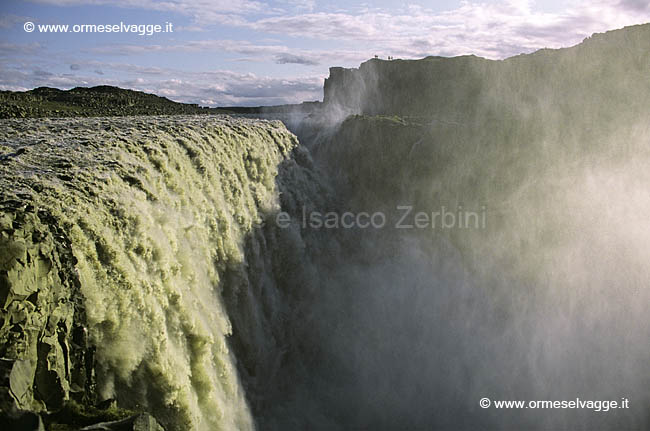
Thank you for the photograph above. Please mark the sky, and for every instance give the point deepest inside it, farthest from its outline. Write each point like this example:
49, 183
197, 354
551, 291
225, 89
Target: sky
252, 53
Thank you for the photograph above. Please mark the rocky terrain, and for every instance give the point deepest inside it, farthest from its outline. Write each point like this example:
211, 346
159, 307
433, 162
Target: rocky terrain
90, 102
105, 101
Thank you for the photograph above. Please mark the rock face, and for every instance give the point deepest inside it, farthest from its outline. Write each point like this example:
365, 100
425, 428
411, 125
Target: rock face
448, 87
44, 341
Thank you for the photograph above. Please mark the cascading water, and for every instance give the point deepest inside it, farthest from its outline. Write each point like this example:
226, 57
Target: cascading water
126, 228
183, 247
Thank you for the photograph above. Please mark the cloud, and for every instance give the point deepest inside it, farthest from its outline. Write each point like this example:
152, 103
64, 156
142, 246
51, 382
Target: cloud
279, 54
308, 5
190, 28
322, 25
234, 46
129, 68
194, 8
286, 58
14, 49
220, 87
636, 5
42, 73
8, 21
493, 30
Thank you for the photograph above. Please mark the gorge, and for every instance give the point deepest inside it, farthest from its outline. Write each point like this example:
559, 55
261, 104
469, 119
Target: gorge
143, 262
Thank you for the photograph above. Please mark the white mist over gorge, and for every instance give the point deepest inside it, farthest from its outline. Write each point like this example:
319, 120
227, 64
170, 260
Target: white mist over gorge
443, 243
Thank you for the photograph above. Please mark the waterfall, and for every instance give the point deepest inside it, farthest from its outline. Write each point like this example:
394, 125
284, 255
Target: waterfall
476, 230
125, 229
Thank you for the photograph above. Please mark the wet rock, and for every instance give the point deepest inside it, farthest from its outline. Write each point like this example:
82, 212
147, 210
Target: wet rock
20, 420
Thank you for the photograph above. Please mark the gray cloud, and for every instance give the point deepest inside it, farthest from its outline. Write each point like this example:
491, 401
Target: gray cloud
235, 46
286, 58
637, 5
42, 73
280, 54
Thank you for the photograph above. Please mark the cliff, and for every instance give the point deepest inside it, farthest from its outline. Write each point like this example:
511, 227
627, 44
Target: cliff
545, 298
462, 87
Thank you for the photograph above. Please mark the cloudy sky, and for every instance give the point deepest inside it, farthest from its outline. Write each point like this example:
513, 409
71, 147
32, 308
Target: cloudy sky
249, 52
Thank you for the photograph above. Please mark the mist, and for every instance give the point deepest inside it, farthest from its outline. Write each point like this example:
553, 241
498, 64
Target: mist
411, 328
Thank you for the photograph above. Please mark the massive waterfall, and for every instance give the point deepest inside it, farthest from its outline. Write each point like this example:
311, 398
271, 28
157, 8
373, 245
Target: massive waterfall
199, 267
132, 231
